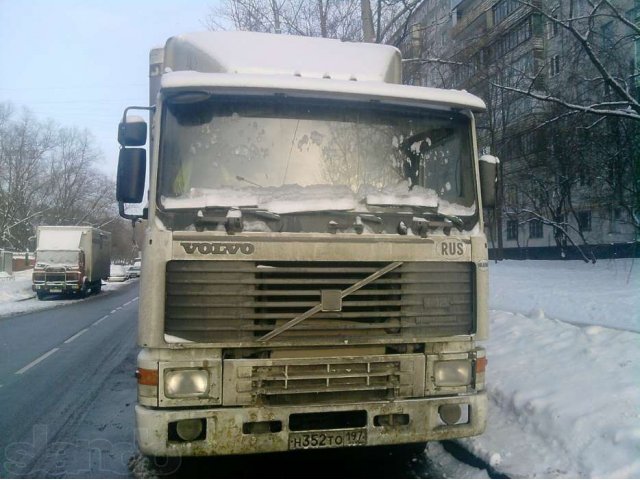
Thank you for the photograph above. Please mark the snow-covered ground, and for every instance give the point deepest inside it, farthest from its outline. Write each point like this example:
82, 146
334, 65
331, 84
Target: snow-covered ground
563, 375
17, 297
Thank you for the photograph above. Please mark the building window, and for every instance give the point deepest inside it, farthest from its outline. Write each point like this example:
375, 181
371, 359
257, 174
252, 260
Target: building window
512, 229
584, 221
617, 214
552, 27
511, 195
510, 40
503, 9
607, 33
535, 228
555, 65
528, 143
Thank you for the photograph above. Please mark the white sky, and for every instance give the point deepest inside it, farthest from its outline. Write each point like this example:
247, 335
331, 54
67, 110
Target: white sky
81, 62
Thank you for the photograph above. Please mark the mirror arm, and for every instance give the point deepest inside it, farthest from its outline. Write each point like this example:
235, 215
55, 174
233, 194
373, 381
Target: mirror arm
127, 216
152, 108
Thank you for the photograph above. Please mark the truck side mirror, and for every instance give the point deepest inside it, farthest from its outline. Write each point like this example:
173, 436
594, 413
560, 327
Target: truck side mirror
132, 132
488, 180
132, 168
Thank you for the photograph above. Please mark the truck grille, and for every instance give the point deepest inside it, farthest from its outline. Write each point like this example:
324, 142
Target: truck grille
58, 275
323, 380
226, 301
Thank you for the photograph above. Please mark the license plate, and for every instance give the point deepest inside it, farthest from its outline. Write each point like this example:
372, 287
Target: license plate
55, 290
341, 438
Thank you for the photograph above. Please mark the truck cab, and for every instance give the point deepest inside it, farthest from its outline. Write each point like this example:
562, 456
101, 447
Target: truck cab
315, 270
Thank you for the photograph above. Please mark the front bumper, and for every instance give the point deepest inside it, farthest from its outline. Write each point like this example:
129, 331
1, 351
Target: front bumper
57, 287
224, 426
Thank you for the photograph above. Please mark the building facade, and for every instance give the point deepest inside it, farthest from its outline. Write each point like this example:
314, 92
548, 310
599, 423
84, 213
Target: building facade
569, 178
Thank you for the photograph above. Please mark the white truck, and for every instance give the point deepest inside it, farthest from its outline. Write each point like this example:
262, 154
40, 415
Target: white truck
70, 259
315, 268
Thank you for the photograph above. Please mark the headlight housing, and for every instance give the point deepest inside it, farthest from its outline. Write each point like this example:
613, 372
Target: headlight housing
192, 382
453, 373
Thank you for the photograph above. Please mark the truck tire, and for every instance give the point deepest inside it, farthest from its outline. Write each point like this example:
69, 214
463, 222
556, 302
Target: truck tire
84, 290
97, 288
40, 294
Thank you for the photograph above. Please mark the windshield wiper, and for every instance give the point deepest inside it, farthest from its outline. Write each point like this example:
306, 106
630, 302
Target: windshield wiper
455, 220
431, 217
232, 219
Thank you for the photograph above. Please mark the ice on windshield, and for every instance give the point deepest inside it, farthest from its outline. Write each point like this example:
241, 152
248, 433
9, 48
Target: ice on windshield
284, 199
57, 257
296, 157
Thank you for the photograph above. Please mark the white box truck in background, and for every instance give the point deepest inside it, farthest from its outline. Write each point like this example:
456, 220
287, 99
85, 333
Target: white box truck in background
315, 267
71, 259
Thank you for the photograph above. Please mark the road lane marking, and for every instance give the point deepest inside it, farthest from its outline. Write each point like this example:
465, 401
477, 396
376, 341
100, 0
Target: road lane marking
37, 361
99, 320
71, 339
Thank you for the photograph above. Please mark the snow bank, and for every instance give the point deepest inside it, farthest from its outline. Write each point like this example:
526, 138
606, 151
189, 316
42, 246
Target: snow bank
16, 288
17, 297
607, 293
564, 398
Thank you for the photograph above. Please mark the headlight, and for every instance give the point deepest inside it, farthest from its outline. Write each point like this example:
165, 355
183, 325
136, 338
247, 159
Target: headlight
187, 382
452, 373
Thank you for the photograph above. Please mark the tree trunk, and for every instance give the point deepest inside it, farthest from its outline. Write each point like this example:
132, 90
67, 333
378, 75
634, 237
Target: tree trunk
276, 16
322, 10
368, 34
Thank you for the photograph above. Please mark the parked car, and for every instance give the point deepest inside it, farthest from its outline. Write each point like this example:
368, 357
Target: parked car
134, 270
118, 273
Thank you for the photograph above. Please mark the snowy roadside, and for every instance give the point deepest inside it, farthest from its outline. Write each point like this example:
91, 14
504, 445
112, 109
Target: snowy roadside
17, 297
564, 397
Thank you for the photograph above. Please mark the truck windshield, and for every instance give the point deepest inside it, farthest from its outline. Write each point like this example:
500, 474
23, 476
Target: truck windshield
57, 257
287, 155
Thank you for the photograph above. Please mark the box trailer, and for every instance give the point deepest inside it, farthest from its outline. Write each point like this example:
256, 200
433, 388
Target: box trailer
71, 259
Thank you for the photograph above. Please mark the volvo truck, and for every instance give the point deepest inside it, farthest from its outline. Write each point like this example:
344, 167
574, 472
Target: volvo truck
70, 260
314, 266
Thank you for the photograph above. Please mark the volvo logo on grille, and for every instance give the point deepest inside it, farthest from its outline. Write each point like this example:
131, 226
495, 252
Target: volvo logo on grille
206, 248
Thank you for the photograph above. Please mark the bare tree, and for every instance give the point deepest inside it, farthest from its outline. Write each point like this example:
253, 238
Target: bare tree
24, 144
48, 175
341, 19
593, 32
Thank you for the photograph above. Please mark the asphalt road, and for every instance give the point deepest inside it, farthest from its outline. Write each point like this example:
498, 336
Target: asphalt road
67, 388
67, 391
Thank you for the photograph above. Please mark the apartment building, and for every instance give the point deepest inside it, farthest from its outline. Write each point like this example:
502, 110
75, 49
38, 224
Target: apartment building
568, 178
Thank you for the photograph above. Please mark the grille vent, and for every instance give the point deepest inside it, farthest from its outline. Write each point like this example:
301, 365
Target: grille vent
329, 380
227, 301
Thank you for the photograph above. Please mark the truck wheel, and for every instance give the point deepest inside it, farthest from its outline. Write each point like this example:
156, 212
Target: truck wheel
97, 288
84, 290
40, 295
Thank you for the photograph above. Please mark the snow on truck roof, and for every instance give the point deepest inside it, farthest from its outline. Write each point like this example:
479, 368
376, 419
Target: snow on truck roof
337, 88
297, 65
271, 54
